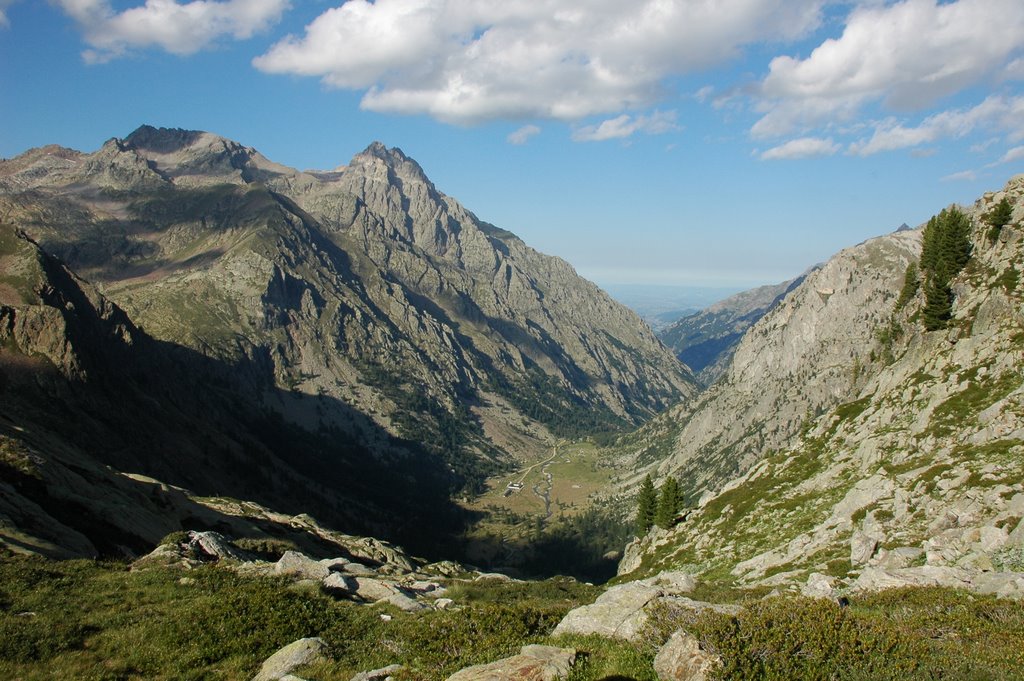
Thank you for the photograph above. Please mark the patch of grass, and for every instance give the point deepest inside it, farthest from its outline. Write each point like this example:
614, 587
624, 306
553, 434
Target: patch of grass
958, 409
1009, 279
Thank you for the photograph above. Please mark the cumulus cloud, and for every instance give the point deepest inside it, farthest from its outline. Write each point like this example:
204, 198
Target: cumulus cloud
804, 147
1013, 155
906, 56
1005, 114
625, 125
4, 4
523, 134
466, 61
179, 28
962, 176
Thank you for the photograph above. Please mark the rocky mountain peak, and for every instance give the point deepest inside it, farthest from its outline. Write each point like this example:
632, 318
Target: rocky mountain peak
378, 161
194, 157
163, 140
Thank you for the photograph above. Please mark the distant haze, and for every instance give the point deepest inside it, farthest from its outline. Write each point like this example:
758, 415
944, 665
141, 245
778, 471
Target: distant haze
660, 305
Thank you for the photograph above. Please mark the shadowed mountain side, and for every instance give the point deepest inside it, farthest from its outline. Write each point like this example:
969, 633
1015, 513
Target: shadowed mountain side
365, 285
84, 387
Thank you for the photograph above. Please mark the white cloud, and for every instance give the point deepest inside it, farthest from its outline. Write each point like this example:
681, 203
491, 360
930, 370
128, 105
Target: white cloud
995, 113
523, 134
805, 147
4, 4
179, 28
962, 176
625, 125
906, 55
466, 61
1013, 155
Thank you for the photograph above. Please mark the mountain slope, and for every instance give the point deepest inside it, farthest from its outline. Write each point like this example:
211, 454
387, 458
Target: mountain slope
705, 340
803, 357
917, 478
91, 400
364, 285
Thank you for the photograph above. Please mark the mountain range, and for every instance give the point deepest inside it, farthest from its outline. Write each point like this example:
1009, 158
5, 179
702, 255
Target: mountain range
239, 363
328, 324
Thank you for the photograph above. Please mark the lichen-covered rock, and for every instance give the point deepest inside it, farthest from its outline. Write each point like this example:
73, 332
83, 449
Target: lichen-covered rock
819, 586
623, 610
682, 659
533, 663
297, 654
382, 674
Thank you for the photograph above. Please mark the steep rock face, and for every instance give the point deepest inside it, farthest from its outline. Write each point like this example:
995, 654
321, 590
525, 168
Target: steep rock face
90, 400
803, 357
364, 285
918, 478
705, 341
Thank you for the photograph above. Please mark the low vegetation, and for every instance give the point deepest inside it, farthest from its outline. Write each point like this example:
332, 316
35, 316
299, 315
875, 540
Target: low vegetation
90, 620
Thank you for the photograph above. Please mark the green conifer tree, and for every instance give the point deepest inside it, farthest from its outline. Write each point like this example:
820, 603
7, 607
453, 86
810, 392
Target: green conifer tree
668, 504
1001, 214
647, 504
945, 250
911, 282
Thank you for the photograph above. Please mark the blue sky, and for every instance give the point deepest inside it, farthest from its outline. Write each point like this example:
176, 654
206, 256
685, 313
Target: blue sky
728, 143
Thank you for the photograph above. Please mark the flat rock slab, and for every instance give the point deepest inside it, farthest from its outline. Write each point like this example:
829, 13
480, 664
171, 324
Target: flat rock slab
1002, 584
533, 663
295, 564
291, 657
382, 674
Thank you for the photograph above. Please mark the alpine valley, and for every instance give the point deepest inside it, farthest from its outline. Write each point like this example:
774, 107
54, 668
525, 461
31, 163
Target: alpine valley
249, 409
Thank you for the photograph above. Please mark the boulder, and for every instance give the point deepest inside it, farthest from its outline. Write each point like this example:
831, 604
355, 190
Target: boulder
358, 569
621, 611
819, 586
340, 584
899, 557
876, 579
445, 568
300, 566
533, 663
405, 603
1002, 584
294, 655
862, 548
373, 590
382, 674
682, 659
195, 549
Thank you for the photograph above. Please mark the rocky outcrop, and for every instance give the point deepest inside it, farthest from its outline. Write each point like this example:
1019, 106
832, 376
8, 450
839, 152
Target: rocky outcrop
916, 477
803, 357
706, 340
305, 651
533, 663
623, 610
